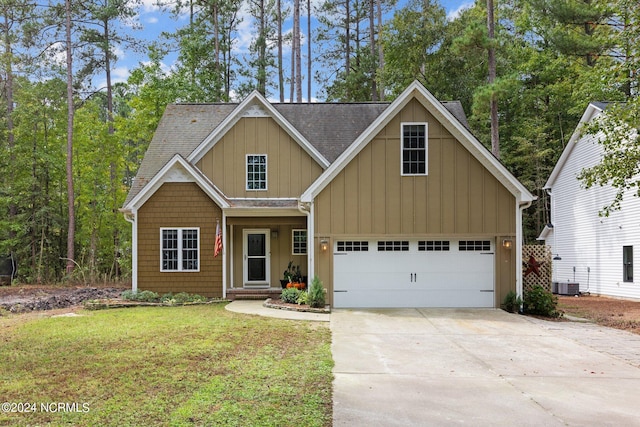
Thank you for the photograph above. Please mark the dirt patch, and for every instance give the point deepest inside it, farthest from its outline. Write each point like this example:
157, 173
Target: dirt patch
26, 298
611, 312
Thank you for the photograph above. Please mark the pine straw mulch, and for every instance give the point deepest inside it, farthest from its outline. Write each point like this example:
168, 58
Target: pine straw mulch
612, 312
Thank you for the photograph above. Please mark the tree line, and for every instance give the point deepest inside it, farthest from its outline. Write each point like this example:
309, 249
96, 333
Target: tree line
524, 71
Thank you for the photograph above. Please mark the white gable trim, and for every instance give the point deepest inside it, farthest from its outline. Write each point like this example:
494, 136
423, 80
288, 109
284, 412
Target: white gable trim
176, 170
470, 142
255, 105
590, 113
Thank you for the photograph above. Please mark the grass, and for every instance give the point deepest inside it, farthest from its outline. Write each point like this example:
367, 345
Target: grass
169, 366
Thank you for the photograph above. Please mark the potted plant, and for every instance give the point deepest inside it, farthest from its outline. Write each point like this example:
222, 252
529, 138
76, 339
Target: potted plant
288, 275
292, 277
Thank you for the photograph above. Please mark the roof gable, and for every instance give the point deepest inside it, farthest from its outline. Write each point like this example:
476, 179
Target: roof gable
593, 110
255, 105
176, 170
449, 122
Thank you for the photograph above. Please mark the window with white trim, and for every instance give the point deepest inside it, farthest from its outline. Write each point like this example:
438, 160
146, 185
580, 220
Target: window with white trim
352, 246
627, 263
474, 245
433, 245
179, 249
414, 149
393, 246
299, 242
256, 171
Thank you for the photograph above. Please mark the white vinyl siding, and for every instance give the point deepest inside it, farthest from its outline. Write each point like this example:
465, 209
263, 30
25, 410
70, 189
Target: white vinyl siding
591, 246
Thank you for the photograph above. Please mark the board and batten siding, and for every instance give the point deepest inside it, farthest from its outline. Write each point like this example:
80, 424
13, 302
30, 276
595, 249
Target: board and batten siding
587, 242
290, 169
459, 198
178, 205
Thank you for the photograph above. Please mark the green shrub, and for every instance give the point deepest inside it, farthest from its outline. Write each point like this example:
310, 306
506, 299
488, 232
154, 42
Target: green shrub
316, 293
303, 298
290, 295
538, 300
128, 295
511, 302
145, 296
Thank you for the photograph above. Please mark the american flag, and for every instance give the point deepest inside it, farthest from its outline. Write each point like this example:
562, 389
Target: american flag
218, 245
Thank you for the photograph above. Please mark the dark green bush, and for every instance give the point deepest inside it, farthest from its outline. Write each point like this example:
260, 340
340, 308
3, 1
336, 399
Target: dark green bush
538, 300
316, 293
290, 295
511, 302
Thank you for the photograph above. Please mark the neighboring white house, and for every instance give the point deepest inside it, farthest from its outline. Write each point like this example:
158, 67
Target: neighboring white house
597, 252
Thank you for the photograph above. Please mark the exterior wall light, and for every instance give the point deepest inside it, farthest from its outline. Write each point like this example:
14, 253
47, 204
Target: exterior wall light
506, 243
324, 245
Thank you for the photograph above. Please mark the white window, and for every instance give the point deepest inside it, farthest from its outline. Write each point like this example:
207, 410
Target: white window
414, 149
351, 246
299, 242
256, 171
179, 249
627, 263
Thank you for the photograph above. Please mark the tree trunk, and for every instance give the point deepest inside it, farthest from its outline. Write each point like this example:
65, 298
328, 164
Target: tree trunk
372, 45
495, 140
70, 190
309, 77
296, 36
280, 68
380, 50
13, 209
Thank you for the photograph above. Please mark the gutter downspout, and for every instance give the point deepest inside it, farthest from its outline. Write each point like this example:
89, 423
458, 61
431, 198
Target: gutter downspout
130, 216
519, 244
307, 210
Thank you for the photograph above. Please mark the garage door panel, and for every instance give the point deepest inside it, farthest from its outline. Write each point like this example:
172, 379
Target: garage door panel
415, 278
358, 298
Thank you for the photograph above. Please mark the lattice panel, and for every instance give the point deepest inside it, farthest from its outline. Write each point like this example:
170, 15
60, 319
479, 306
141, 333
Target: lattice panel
536, 266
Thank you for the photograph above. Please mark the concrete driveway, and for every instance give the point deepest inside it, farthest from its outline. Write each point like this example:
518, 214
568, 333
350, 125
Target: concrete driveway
438, 367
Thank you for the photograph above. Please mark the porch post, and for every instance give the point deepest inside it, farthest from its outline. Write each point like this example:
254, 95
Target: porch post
224, 255
311, 244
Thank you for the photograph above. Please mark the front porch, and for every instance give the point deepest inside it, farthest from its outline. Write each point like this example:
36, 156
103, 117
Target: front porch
258, 249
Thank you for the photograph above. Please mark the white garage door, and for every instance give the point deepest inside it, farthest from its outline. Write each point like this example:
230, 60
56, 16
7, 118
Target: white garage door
413, 273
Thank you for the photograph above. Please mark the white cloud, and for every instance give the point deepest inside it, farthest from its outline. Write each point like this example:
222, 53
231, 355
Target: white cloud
454, 14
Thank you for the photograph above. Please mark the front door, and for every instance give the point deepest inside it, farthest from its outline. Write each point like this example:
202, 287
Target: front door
256, 255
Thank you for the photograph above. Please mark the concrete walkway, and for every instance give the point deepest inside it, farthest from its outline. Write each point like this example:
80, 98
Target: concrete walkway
255, 307
439, 367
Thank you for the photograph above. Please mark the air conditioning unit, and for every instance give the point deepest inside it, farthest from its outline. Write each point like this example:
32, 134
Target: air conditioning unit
566, 288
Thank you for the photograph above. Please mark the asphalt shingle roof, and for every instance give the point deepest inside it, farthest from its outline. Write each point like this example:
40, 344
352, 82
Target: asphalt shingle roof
329, 127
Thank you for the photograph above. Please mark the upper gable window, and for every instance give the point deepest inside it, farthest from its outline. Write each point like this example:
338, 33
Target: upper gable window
256, 172
414, 149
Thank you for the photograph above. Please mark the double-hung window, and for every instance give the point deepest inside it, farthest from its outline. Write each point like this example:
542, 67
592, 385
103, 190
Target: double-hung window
299, 242
256, 171
179, 249
414, 149
627, 263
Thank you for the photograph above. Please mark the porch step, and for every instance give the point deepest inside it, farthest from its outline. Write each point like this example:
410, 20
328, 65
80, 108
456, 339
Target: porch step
253, 294
250, 296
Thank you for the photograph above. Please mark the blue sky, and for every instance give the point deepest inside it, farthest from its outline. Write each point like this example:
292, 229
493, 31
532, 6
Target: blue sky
153, 21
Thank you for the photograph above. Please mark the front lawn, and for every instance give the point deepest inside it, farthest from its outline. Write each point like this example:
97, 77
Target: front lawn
177, 366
